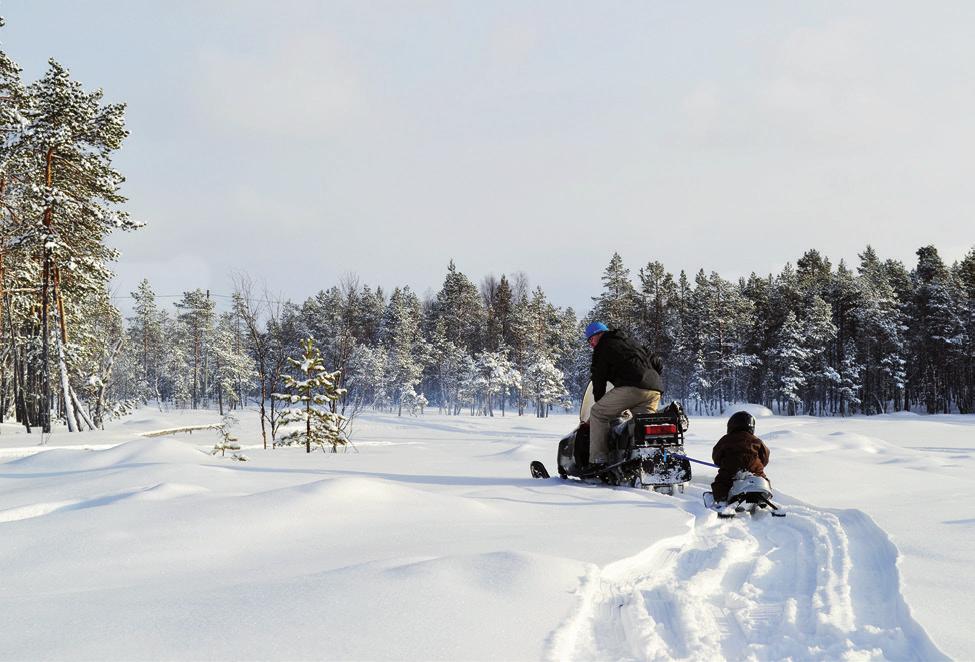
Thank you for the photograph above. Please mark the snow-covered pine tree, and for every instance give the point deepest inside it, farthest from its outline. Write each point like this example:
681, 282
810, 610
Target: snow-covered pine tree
312, 393
233, 368
14, 103
197, 312
545, 384
406, 350
681, 359
937, 336
702, 321
819, 334
146, 338
760, 338
617, 305
228, 441
848, 391
789, 357
341, 317
367, 382
496, 373
447, 366
498, 300
177, 384
67, 202
458, 305
880, 337
813, 274
964, 273
656, 310
844, 297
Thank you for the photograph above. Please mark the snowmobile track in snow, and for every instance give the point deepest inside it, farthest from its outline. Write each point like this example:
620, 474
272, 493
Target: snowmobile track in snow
819, 584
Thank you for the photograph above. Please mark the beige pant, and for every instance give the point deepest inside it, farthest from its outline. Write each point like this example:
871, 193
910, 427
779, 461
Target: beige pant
611, 405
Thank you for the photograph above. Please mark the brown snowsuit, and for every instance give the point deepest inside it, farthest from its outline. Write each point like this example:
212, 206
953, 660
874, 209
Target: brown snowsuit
734, 452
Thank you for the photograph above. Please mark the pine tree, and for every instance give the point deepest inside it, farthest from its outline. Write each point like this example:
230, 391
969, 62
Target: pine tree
819, 334
368, 382
850, 373
617, 305
458, 306
937, 335
965, 276
789, 357
545, 384
314, 390
656, 313
233, 368
197, 316
66, 200
881, 329
145, 339
404, 344
228, 442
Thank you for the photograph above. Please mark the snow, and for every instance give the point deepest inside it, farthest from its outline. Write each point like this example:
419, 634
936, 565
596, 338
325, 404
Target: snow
433, 543
758, 411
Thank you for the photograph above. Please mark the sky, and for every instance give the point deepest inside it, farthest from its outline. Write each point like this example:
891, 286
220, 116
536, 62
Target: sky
300, 142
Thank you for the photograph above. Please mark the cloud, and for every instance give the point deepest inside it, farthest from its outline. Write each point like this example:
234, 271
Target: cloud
299, 87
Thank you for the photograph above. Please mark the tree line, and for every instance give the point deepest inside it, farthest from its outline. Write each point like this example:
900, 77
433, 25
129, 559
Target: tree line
489, 349
814, 339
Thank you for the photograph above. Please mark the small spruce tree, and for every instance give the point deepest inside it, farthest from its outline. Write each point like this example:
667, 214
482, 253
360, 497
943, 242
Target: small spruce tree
228, 442
311, 394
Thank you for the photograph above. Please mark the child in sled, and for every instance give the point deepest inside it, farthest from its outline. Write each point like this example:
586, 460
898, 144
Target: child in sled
739, 450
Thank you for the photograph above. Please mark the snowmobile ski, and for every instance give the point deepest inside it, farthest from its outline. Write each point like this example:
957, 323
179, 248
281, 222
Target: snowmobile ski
729, 510
538, 470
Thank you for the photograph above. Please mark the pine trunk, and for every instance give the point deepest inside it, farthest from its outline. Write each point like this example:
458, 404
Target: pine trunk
65, 388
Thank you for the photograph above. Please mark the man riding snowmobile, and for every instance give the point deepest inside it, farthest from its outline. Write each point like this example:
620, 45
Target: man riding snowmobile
635, 375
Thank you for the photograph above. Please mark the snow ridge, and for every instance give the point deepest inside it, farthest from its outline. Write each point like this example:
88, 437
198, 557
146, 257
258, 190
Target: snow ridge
819, 584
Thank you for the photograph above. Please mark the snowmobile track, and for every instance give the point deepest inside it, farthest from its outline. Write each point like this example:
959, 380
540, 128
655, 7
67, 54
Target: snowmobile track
818, 585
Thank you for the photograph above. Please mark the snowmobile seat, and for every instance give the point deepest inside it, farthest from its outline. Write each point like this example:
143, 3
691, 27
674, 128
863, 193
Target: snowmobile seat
749, 488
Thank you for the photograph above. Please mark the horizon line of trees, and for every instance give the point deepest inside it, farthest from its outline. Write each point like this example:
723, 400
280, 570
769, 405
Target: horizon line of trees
812, 339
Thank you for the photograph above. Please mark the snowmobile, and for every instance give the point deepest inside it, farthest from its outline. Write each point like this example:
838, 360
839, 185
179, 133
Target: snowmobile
647, 451
748, 493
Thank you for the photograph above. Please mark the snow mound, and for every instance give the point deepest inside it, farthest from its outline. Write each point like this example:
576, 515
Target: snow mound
858, 442
358, 497
495, 572
166, 491
139, 451
502, 602
758, 411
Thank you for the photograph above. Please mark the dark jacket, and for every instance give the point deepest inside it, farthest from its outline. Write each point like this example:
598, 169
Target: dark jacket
618, 360
739, 451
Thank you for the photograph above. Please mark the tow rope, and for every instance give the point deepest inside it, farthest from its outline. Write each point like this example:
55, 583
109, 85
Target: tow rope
689, 459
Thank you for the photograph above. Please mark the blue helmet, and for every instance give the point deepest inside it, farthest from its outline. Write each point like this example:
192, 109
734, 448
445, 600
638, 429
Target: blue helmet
594, 328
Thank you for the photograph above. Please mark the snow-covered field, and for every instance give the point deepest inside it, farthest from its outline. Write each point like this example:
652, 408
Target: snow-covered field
433, 543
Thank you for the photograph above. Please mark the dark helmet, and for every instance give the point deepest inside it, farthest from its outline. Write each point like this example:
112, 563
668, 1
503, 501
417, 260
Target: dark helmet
741, 420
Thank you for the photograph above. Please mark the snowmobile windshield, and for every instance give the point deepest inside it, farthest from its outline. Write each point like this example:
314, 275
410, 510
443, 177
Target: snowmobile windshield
587, 402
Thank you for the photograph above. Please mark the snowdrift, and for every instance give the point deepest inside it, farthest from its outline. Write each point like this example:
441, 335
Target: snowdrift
758, 411
434, 543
